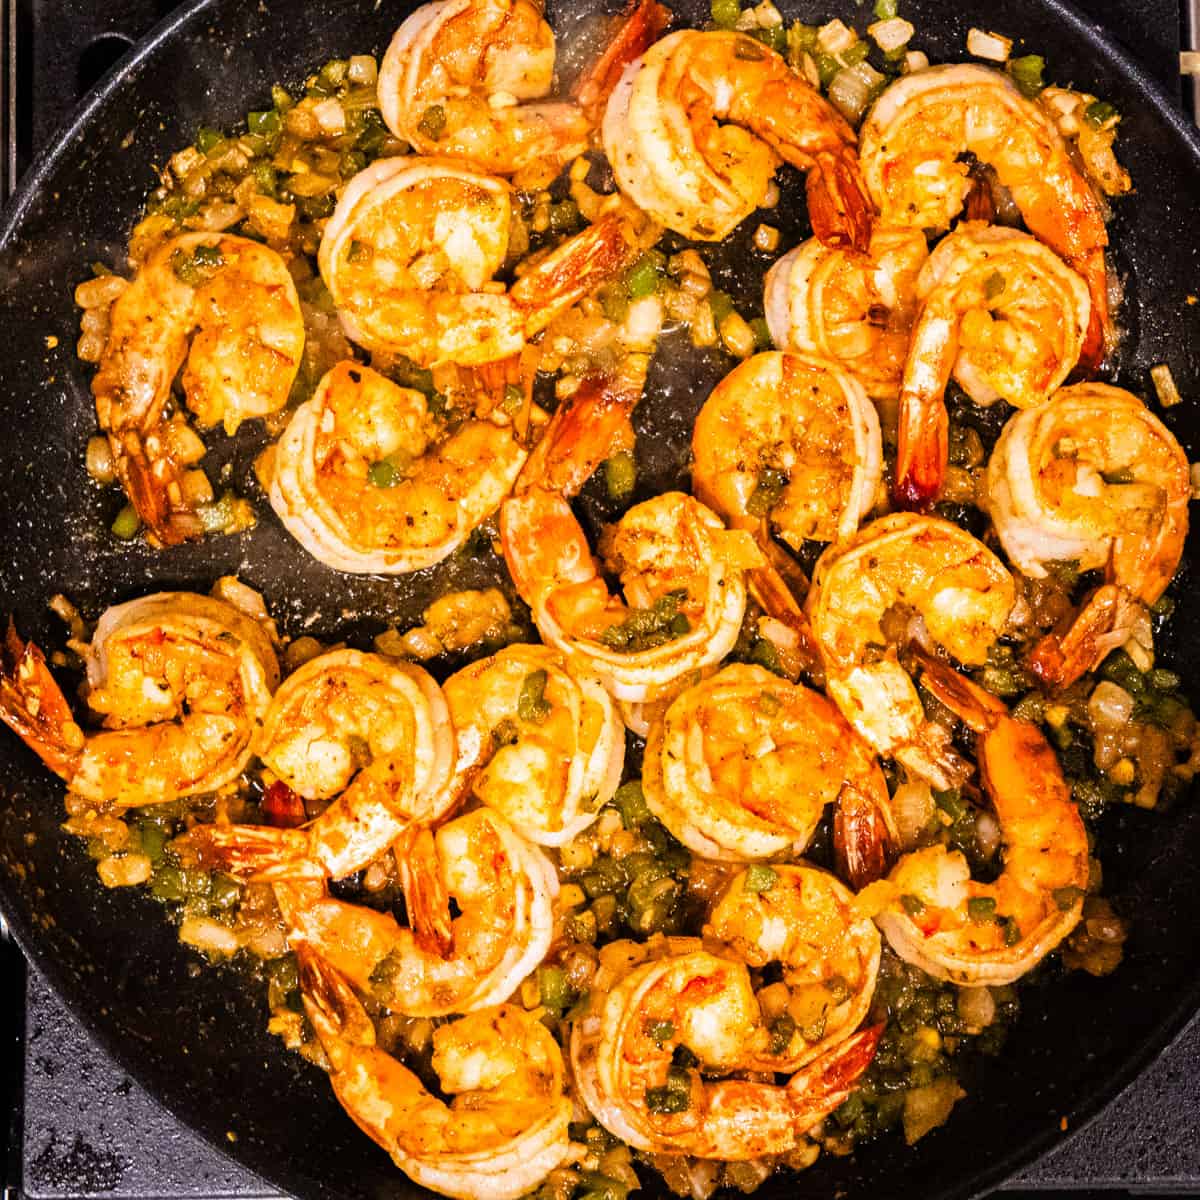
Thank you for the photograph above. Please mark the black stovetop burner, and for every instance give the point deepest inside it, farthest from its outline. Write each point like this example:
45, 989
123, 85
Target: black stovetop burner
83, 1128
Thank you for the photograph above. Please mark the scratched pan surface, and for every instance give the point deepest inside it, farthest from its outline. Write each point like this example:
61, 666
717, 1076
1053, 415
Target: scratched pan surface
195, 1038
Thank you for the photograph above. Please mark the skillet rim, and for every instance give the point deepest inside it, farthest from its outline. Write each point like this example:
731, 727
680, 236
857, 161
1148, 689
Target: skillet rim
1076, 25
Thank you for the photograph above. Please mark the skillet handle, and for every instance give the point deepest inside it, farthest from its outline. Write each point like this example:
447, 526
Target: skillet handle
1192, 35
8, 112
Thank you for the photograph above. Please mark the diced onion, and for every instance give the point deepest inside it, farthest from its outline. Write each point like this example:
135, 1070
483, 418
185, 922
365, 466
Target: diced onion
209, 936
362, 70
915, 60
1110, 705
127, 871
926, 1108
851, 89
330, 116
100, 460
891, 34
976, 1007
912, 806
1164, 385
992, 46
835, 37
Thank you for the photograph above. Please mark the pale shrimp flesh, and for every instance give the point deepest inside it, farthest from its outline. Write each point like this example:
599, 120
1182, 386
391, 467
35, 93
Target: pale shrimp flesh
804, 920
504, 1128
1002, 314
742, 765
623, 1053
914, 578
989, 934
855, 309
696, 127
368, 479
181, 684
1095, 479
539, 740
368, 733
504, 889
469, 79
912, 145
410, 254
224, 309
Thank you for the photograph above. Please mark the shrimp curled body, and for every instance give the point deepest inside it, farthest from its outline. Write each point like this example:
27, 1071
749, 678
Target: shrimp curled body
696, 127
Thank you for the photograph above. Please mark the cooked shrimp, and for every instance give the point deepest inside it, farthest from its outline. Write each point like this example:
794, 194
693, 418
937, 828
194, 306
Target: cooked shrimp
707, 1004
852, 308
682, 573
697, 126
503, 1130
539, 740
1002, 314
914, 140
373, 734
439, 482
225, 309
181, 683
504, 889
468, 79
897, 568
743, 764
1095, 478
787, 444
792, 441
804, 920
992, 933
410, 253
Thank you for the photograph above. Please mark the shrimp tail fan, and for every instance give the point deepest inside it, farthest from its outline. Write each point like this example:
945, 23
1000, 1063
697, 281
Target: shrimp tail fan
1101, 625
149, 492
334, 1010
258, 853
33, 707
827, 1083
838, 206
641, 24
863, 843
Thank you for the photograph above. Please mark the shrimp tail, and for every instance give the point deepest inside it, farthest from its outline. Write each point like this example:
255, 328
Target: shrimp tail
257, 853
838, 206
922, 451
863, 836
641, 24
1102, 624
969, 702
425, 894
574, 270
33, 707
778, 587
149, 484
593, 425
1100, 335
821, 1087
336, 1014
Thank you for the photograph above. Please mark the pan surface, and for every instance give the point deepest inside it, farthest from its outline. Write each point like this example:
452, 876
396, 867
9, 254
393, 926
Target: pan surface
196, 1038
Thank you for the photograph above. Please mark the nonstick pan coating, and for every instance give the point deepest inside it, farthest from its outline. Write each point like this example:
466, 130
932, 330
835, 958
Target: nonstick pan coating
197, 1039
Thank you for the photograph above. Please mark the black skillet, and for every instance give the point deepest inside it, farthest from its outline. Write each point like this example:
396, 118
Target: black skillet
193, 1037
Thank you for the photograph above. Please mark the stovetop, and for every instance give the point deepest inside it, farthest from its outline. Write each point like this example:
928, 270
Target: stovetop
81, 1127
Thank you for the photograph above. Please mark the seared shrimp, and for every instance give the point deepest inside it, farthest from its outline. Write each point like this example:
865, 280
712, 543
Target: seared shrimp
707, 1004
1002, 314
792, 441
468, 79
992, 933
743, 764
804, 920
438, 482
373, 734
410, 253
181, 683
867, 590
682, 573
225, 309
912, 146
539, 740
851, 308
504, 889
697, 126
1095, 478
504, 1129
